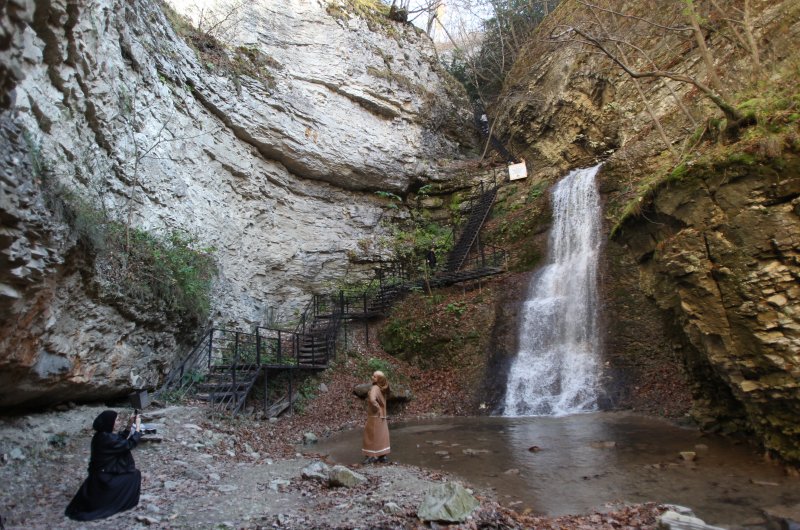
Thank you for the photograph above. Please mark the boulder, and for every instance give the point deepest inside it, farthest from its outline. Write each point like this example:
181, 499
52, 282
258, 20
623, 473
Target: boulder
340, 476
397, 394
310, 438
449, 502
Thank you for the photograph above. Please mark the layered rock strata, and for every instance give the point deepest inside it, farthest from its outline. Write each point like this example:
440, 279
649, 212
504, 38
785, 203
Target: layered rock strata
270, 155
699, 290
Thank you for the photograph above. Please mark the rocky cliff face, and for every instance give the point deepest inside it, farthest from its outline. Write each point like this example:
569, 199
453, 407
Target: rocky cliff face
721, 254
267, 146
700, 280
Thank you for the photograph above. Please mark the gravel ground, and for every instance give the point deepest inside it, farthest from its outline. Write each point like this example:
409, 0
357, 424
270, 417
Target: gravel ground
205, 473
202, 475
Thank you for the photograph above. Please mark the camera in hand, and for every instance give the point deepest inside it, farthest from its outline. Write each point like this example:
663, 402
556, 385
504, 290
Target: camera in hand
140, 400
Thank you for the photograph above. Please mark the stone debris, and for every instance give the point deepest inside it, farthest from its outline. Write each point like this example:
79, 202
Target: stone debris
316, 471
235, 492
449, 502
393, 508
671, 520
341, 476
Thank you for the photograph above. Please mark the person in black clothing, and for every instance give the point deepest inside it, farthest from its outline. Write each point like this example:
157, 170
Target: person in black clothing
431, 257
114, 483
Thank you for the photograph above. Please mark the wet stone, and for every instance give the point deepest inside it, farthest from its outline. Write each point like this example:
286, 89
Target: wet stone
671, 520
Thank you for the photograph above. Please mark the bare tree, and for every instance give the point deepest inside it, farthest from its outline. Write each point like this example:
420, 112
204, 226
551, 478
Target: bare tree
221, 20
141, 150
743, 31
639, 90
613, 48
505, 27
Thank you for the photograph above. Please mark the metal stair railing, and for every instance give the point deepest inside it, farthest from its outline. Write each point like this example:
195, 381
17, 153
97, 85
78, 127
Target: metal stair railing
235, 361
480, 206
182, 377
278, 348
224, 362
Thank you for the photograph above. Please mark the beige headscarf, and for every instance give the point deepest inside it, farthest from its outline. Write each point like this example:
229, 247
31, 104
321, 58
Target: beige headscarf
382, 382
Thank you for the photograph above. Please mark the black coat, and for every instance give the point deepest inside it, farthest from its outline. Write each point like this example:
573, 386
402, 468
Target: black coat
114, 482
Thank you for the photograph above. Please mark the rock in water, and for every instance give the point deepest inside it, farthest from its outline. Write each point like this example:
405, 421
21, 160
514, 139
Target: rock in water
449, 502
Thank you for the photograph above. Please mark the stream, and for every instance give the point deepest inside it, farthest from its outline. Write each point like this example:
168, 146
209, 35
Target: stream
587, 460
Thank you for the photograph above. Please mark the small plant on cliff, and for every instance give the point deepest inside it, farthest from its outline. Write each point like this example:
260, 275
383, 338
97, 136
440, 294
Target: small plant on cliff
393, 198
169, 269
375, 13
212, 30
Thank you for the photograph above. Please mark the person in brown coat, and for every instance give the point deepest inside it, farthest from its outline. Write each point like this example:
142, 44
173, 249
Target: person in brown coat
376, 431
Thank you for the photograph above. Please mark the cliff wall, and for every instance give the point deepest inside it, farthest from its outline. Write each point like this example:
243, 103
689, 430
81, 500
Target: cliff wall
265, 144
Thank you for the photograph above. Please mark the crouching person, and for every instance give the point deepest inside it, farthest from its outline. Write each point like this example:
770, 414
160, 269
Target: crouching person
114, 483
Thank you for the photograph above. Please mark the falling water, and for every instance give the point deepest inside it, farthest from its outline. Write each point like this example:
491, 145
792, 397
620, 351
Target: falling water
555, 371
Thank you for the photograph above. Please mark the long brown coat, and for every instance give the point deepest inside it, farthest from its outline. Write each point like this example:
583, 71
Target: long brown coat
376, 431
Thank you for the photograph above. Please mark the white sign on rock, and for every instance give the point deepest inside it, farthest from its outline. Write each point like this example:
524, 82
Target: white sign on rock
517, 171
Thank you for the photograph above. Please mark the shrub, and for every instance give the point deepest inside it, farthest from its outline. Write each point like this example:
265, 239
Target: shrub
170, 269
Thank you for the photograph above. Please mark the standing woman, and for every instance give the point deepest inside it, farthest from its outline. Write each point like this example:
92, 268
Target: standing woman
114, 482
376, 431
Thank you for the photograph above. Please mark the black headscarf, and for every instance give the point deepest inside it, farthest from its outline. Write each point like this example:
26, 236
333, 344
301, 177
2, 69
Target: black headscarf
104, 422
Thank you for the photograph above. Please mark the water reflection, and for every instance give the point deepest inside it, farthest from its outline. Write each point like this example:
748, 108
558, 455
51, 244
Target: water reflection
587, 460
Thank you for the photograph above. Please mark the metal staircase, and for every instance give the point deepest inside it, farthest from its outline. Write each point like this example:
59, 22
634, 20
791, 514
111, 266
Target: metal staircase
481, 203
224, 366
482, 123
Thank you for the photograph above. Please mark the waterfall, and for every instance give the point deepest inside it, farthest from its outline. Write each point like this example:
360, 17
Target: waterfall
555, 370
